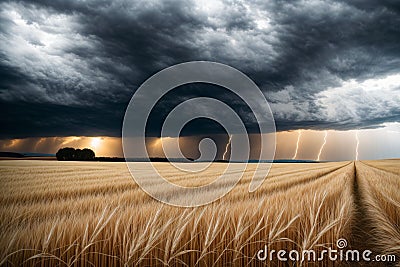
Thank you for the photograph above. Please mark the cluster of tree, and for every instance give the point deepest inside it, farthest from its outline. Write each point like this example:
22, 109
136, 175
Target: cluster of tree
110, 159
69, 153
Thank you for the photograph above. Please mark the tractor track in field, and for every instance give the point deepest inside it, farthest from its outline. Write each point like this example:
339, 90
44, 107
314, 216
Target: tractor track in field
362, 227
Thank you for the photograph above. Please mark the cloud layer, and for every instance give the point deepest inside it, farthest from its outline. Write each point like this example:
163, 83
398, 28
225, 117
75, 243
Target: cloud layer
70, 67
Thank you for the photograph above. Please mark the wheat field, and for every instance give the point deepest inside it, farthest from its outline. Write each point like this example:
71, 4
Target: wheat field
92, 213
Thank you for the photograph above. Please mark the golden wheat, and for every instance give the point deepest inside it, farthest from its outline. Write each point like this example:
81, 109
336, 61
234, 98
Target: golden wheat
82, 213
379, 186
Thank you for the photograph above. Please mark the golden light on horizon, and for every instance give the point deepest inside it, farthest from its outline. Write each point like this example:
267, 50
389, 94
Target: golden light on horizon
95, 142
70, 139
314, 144
103, 146
156, 145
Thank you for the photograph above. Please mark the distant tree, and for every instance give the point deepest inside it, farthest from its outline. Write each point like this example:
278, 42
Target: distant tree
84, 154
66, 153
69, 153
78, 154
88, 154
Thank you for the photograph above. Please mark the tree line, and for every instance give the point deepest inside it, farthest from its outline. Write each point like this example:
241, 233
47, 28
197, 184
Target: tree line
69, 153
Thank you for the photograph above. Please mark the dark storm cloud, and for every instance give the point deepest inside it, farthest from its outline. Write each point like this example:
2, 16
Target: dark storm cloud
70, 67
46, 120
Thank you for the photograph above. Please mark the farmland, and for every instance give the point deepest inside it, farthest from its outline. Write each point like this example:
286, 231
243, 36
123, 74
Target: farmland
83, 213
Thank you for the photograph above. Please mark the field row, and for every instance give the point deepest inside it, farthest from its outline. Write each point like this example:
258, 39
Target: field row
380, 196
79, 213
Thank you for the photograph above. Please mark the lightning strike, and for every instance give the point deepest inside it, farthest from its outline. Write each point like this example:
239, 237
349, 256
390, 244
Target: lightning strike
297, 144
227, 146
322, 147
358, 143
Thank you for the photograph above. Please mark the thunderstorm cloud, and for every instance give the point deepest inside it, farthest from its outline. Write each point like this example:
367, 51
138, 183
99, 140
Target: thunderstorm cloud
71, 67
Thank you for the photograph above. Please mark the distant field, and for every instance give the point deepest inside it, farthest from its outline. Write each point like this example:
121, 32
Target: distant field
92, 213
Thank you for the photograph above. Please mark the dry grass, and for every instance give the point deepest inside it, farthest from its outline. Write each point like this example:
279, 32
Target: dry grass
379, 187
75, 213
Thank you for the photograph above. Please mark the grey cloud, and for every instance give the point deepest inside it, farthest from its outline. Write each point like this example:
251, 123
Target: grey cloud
91, 56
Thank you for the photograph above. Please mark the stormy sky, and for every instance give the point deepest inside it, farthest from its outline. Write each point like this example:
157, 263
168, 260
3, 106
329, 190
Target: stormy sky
69, 68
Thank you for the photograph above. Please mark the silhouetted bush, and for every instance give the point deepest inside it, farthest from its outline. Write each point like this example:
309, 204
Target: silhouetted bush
87, 154
69, 153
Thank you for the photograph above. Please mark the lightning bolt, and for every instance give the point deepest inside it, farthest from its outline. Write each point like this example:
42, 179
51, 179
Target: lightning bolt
358, 143
322, 147
226, 147
297, 145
